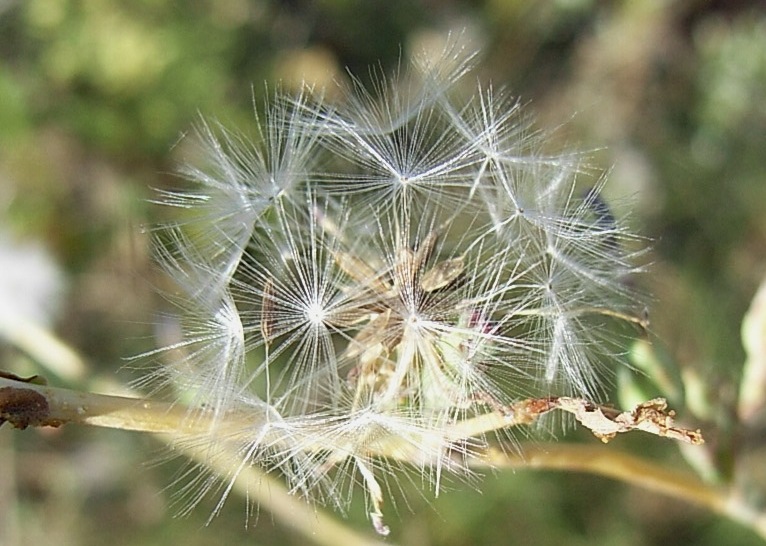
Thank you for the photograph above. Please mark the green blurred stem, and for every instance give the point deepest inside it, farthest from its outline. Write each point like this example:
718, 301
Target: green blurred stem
44, 347
632, 470
263, 490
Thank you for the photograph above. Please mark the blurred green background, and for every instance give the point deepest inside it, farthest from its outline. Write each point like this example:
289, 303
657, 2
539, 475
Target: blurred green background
95, 97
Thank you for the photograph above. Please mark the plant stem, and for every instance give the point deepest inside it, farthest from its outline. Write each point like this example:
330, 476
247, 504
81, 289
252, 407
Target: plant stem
26, 404
263, 490
629, 469
56, 406
172, 424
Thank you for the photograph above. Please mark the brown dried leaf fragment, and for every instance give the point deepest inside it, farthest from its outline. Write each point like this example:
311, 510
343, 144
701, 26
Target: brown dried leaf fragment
24, 407
652, 417
526, 412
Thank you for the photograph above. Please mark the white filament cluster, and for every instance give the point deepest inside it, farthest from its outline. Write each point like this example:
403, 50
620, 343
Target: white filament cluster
364, 277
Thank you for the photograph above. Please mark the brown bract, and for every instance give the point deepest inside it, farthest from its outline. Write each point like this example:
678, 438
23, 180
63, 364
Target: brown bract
652, 417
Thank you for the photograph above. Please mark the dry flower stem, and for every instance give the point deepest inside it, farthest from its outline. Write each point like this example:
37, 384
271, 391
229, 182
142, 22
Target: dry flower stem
26, 404
66, 406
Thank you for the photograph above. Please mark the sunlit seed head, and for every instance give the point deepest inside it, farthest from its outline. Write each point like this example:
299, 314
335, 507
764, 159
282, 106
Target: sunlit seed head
392, 268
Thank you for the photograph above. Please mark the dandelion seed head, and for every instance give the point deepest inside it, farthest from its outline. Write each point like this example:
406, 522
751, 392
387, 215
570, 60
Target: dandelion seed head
367, 278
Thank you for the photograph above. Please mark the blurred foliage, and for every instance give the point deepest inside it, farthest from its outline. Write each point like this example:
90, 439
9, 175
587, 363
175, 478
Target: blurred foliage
95, 97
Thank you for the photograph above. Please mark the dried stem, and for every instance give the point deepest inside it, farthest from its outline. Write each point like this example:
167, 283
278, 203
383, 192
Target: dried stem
25, 404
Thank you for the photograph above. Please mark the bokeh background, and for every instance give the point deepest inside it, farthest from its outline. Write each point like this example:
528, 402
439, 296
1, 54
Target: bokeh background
97, 96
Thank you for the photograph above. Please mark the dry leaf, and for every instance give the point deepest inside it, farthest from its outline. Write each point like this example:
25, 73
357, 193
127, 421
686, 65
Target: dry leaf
652, 417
